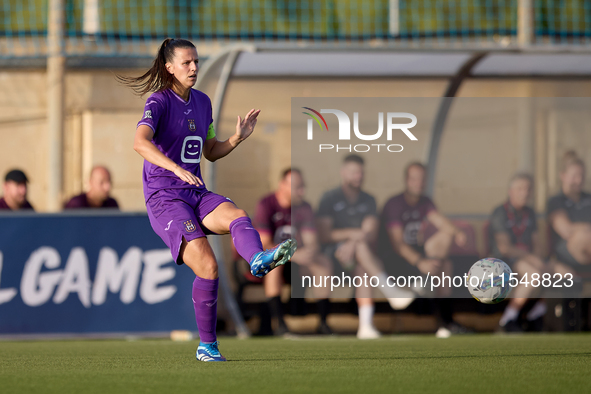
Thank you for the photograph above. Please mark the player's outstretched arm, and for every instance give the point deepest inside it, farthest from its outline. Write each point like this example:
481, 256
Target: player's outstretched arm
214, 149
143, 145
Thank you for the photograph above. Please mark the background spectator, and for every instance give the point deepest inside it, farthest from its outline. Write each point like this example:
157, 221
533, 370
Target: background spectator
15, 191
569, 215
348, 227
514, 239
97, 196
273, 220
403, 216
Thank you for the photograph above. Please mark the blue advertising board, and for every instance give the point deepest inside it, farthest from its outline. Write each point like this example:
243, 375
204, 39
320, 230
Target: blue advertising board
89, 273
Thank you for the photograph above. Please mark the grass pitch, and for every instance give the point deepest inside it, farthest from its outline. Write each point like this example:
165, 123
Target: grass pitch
396, 364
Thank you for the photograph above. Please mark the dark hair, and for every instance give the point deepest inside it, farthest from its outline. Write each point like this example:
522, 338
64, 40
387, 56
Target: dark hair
157, 78
288, 171
353, 159
413, 164
571, 158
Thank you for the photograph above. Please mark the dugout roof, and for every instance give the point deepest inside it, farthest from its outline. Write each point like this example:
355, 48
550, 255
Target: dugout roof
409, 64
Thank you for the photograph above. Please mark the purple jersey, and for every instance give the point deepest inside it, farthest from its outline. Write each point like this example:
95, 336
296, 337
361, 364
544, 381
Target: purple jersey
397, 212
180, 130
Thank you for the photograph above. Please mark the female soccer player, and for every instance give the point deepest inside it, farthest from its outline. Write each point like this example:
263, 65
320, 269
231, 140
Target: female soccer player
176, 130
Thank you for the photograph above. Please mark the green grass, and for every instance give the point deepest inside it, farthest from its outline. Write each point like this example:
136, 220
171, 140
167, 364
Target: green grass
395, 364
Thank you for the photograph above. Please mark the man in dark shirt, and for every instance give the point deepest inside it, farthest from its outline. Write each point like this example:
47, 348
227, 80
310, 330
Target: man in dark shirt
403, 217
15, 192
513, 236
348, 227
569, 215
97, 195
281, 215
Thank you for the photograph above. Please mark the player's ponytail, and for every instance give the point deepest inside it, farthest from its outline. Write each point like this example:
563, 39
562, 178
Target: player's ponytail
571, 158
157, 78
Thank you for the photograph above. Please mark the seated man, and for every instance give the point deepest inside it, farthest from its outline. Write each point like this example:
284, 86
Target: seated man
273, 220
97, 196
15, 192
403, 216
514, 239
348, 227
569, 215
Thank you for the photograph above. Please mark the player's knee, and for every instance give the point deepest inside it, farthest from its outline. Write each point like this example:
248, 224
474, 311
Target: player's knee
239, 213
209, 267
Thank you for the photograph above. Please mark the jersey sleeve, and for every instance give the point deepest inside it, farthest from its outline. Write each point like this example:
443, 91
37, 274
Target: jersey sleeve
325, 206
210, 132
430, 206
306, 218
153, 111
111, 203
75, 202
497, 221
262, 218
392, 216
534, 220
210, 128
554, 204
373, 206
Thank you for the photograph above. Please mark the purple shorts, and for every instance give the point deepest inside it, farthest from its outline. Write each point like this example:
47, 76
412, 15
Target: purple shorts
178, 213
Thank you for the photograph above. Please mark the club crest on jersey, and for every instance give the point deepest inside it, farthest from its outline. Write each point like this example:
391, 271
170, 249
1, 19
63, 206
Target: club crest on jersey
192, 125
189, 226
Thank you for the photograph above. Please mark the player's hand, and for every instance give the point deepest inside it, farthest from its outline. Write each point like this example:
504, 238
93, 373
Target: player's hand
245, 127
187, 176
460, 239
429, 266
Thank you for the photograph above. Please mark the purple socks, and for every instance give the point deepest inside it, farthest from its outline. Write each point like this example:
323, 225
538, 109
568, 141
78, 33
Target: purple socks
246, 239
205, 298
205, 291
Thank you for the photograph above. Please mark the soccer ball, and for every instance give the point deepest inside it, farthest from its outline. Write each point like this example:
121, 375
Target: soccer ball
488, 280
